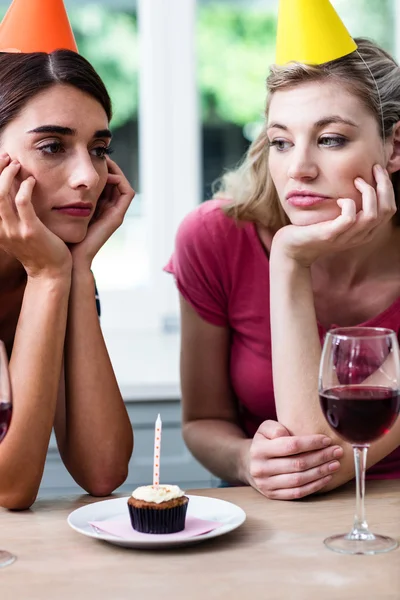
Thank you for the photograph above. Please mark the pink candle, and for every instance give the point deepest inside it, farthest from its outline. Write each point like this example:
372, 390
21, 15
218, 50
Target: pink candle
157, 448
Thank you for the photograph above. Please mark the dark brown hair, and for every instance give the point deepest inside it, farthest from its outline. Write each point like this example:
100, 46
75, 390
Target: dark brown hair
22, 76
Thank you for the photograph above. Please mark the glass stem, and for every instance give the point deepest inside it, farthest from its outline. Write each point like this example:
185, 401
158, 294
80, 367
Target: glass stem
360, 463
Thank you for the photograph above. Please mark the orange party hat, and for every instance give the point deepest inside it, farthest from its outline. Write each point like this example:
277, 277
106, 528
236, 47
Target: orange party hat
36, 26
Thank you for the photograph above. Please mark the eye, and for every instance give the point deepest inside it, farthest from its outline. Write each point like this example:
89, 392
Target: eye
280, 145
51, 148
332, 141
101, 151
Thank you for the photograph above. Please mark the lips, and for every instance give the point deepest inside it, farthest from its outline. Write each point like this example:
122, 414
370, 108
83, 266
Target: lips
305, 198
80, 209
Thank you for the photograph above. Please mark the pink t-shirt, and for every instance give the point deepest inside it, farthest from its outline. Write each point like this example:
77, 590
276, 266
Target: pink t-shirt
222, 270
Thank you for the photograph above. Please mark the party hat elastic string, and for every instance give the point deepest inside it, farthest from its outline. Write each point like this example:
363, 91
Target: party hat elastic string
379, 96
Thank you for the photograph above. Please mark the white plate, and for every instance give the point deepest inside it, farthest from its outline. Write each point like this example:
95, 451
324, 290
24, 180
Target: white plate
202, 507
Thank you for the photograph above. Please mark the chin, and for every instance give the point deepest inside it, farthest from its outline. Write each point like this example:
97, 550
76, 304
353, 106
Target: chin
312, 217
71, 235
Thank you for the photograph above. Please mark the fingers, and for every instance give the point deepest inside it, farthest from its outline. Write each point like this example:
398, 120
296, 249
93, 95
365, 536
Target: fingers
348, 208
378, 206
113, 178
113, 168
289, 467
4, 160
296, 493
385, 192
299, 479
23, 202
7, 177
303, 462
369, 212
288, 446
120, 193
117, 177
329, 231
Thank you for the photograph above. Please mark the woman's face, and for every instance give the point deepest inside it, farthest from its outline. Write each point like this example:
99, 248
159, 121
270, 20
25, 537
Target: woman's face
61, 138
321, 138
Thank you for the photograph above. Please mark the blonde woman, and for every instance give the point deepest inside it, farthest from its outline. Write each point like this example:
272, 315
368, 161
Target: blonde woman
303, 236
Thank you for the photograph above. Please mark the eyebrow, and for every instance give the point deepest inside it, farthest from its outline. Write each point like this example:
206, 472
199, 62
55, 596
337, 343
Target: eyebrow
320, 123
101, 133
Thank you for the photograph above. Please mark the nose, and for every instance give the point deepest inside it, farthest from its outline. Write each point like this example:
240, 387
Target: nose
83, 172
302, 165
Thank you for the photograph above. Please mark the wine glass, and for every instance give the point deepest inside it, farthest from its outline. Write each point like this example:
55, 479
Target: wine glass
359, 390
6, 558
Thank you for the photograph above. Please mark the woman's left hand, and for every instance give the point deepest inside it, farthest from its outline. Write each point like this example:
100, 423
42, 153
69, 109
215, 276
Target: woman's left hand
109, 215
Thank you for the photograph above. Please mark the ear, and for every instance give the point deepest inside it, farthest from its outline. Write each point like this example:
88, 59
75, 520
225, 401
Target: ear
393, 163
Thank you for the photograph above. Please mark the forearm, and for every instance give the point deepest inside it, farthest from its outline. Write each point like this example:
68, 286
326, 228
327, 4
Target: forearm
222, 447
296, 348
35, 366
296, 354
98, 436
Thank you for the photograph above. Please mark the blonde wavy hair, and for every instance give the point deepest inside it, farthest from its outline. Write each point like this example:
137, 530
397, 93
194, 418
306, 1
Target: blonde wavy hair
362, 73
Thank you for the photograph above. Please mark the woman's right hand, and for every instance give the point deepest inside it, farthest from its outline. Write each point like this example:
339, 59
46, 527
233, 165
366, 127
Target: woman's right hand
22, 234
306, 243
285, 467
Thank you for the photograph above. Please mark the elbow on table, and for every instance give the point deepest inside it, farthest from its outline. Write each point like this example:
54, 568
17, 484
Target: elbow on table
21, 500
104, 484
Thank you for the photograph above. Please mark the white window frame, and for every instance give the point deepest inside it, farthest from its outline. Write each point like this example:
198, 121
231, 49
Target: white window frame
169, 157
396, 9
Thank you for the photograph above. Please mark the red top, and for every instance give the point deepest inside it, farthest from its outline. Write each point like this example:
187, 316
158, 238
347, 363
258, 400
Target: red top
222, 270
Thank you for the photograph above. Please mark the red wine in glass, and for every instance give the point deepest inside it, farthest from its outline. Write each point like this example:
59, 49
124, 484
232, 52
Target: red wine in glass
359, 414
6, 558
359, 391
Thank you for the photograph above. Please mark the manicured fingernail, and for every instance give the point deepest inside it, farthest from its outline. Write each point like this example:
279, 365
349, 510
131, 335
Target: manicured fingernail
333, 466
326, 441
379, 168
338, 452
358, 180
15, 162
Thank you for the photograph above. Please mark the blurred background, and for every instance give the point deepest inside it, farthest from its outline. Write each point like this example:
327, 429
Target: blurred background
187, 80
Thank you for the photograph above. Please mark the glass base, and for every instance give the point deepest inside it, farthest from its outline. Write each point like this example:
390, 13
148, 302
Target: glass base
6, 558
357, 542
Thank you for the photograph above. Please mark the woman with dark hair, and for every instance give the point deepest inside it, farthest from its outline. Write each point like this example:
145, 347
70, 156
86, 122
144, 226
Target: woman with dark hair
61, 198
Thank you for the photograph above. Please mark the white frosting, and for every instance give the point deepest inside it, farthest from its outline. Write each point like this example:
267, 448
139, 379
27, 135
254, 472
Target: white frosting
163, 493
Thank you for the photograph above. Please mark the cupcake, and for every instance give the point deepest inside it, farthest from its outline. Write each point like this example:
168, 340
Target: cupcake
160, 509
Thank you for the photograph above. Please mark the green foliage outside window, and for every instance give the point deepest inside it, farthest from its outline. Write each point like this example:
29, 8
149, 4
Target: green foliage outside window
235, 45
108, 39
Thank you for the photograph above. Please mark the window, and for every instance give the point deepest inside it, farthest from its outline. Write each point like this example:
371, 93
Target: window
157, 120
187, 82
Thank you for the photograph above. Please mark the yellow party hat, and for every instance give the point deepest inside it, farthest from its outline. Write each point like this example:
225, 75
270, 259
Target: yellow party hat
36, 26
311, 32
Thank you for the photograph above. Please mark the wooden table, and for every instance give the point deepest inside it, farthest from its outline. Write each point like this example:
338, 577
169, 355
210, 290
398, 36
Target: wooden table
276, 554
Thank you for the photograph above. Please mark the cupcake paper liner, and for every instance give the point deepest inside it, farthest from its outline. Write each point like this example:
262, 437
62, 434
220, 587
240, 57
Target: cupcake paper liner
154, 520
